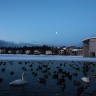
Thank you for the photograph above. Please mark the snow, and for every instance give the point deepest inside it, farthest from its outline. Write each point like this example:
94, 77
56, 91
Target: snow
45, 57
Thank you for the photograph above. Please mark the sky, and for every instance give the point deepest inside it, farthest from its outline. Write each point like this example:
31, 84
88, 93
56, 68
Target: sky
56, 22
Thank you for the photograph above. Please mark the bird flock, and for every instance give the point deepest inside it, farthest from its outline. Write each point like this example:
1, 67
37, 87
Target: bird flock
64, 73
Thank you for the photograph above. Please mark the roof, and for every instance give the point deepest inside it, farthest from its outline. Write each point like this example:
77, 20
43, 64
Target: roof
87, 39
74, 49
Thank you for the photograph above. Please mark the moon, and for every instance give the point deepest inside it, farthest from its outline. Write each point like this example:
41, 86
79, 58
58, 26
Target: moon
56, 33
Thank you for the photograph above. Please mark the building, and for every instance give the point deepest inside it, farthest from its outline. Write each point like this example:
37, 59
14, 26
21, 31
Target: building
80, 51
11, 52
61, 52
48, 52
37, 52
28, 52
89, 47
74, 51
2, 51
19, 52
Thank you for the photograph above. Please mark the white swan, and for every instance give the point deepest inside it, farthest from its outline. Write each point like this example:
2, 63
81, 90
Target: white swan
19, 81
86, 79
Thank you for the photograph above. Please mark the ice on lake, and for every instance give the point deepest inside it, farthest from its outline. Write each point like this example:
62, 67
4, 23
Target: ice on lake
45, 57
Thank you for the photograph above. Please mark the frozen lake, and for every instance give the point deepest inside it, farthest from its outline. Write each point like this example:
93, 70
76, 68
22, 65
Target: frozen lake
45, 57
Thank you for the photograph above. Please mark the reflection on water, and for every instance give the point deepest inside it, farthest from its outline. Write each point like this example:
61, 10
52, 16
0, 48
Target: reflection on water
62, 78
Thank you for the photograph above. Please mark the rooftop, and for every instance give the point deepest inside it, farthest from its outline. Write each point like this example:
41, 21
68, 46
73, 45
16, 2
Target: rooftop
88, 39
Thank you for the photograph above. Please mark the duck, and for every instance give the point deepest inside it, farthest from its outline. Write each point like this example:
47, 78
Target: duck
1, 79
77, 83
19, 81
94, 76
42, 80
86, 79
12, 73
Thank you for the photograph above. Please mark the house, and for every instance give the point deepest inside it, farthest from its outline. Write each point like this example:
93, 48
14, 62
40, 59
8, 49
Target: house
19, 51
28, 52
80, 51
48, 52
36, 52
11, 52
61, 52
74, 51
89, 47
2, 51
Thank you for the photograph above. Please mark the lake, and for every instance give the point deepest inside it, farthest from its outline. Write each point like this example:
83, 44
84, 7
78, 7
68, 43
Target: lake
70, 70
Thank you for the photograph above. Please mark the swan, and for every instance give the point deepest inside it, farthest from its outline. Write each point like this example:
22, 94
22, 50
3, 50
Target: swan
19, 81
86, 79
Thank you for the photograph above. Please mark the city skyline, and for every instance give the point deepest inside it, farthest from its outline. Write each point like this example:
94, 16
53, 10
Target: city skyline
51, 22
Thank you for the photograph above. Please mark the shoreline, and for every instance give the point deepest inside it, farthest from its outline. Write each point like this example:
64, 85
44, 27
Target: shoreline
20, 57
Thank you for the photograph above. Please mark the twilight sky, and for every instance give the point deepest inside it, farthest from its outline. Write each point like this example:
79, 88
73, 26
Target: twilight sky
57, 22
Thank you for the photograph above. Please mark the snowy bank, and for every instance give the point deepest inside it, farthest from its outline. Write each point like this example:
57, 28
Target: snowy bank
45, 57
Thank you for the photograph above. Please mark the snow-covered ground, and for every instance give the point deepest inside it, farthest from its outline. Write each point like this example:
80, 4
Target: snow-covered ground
45, 57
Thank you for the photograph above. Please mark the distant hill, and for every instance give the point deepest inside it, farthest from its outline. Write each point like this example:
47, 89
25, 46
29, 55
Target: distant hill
12, 44
22, 44
6, 43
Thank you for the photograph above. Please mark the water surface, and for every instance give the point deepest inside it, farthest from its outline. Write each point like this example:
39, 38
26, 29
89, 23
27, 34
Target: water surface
49, 68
